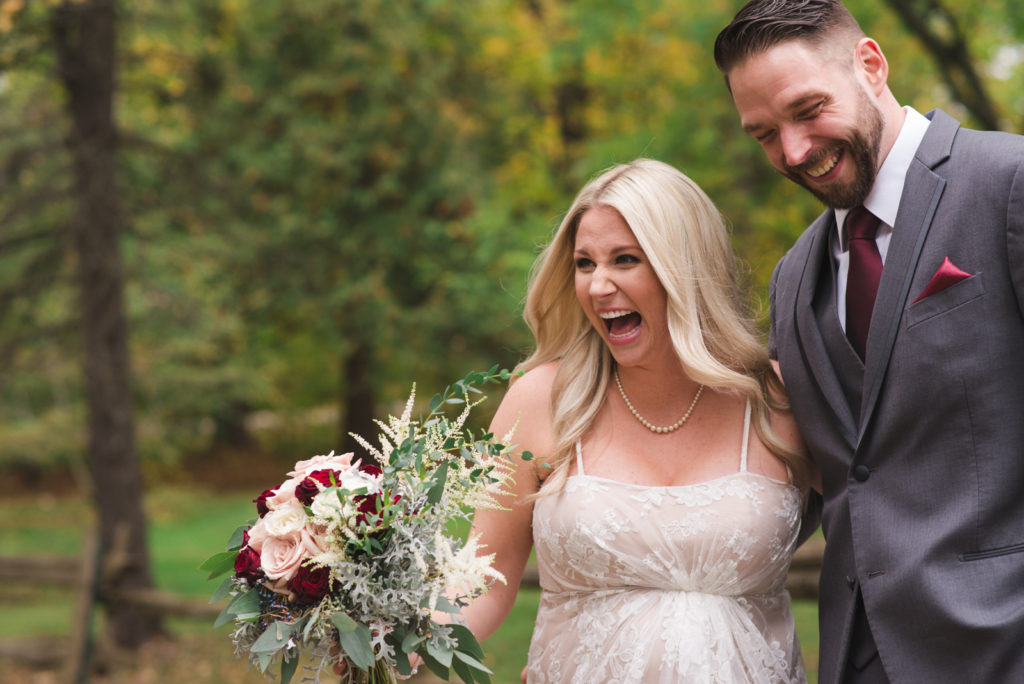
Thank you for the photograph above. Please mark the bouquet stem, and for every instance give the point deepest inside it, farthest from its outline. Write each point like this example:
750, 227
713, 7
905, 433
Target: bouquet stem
380, 673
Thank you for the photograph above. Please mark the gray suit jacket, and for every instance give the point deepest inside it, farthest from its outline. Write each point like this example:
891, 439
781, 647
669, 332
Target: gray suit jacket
921, 451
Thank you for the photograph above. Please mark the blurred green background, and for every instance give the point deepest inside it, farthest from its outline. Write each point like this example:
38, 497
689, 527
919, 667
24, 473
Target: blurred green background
308, 206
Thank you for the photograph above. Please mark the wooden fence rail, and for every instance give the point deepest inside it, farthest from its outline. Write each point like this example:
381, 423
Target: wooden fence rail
85, 574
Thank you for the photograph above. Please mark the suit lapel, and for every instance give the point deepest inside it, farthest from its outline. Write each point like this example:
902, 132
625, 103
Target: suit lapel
921, 195
809, 334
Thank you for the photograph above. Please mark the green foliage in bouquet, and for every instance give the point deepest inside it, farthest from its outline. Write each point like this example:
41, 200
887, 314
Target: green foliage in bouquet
353, 562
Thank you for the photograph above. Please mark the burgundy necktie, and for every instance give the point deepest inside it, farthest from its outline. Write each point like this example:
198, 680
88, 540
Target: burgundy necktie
865, 272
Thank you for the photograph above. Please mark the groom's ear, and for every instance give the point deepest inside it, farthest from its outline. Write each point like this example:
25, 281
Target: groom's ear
871, 65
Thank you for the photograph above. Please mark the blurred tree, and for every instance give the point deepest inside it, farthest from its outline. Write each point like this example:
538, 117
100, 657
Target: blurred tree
942, 35
344, 124
341, 195
82, 37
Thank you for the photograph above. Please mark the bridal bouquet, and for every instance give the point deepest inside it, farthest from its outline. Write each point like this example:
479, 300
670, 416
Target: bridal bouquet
347, 562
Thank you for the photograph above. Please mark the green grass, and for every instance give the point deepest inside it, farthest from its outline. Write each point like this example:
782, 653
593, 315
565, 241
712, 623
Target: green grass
185, 528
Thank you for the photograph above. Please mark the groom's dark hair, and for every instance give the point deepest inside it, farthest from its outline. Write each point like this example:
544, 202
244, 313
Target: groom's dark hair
763, 24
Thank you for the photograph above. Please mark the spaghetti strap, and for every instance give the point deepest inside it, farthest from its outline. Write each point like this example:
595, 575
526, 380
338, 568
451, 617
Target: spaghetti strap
579, 457
746, 438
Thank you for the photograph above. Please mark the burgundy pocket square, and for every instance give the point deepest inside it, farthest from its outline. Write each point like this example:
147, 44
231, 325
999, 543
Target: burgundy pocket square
947, 276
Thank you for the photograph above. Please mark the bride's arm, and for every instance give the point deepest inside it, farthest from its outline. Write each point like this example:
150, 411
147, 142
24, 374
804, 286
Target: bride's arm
786, 428
508, 533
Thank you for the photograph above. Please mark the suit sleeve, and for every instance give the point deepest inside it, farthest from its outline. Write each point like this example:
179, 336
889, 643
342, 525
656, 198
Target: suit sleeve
773, 345
1015, 234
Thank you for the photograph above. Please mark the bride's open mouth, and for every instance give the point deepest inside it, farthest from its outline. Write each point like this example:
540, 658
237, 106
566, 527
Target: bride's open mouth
621, 324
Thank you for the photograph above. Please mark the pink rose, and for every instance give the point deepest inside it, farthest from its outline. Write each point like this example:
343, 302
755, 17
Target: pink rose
282, 556
256, 535
328, 462
283, 495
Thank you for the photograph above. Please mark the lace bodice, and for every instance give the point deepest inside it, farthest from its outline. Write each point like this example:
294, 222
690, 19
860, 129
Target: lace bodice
666, 584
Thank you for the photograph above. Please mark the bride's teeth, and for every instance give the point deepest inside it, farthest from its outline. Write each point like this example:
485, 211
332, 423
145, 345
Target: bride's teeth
608, 315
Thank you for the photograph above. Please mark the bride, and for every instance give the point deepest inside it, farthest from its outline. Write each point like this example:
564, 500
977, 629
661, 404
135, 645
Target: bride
667, 483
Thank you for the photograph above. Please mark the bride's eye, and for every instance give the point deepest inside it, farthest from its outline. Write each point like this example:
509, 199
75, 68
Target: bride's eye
584, 264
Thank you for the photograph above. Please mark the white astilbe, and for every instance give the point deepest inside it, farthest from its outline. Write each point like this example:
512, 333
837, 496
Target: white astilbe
466, 572
397, 430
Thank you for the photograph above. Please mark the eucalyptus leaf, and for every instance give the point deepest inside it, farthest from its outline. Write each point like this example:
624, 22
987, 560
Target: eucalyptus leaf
464, 672
443, 604
223, 591
357, 646
219, 563
225, 616
471, 661
274, 637
238, 536
437, 668
311, 621
402, 663
437, 488
241, 605
344, 623
440, 653
289, 665
411, 642
467, 640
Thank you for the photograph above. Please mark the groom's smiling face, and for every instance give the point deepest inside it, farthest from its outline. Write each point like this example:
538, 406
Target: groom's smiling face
813, 118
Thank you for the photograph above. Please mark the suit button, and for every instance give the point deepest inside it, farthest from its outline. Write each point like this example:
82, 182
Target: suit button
850, 582
861, 473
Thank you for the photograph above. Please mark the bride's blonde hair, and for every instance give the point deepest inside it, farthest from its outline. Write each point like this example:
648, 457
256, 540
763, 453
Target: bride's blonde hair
687, 244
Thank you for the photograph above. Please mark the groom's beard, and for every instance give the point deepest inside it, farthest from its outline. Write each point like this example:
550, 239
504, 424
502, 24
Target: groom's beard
862, 150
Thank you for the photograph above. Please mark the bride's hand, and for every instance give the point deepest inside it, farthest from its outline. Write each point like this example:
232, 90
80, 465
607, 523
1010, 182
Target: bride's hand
414, 662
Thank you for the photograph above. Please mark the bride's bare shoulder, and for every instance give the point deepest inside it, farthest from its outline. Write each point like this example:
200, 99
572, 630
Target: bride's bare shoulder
527, 404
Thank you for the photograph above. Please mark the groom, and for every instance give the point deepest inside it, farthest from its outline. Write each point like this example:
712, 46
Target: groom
899, 333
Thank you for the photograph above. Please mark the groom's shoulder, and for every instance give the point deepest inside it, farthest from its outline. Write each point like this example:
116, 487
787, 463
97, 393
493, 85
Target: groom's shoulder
795, 257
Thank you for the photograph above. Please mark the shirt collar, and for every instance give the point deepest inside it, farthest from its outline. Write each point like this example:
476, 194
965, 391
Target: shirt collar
884, 199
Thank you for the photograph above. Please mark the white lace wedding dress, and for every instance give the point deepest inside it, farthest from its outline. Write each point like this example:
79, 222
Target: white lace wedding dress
666, 585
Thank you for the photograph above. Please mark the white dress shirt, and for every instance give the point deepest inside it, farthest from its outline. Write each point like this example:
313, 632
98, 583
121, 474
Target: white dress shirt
883, 201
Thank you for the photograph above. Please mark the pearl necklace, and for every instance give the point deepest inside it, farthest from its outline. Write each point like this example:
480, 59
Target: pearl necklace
647, 424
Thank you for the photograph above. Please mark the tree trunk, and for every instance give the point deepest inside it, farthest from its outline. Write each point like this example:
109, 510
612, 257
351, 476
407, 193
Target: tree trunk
359, 399
942, 36
84, 39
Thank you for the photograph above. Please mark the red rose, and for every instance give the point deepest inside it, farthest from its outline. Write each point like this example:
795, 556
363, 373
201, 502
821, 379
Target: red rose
310, 583
371, 469
310, 485
247, 565
369, 507
261, 501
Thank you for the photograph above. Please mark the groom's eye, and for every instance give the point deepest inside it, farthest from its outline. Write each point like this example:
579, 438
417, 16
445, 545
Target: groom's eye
811, 112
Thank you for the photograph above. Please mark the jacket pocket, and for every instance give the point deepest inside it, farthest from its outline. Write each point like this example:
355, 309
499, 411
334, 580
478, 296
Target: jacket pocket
941, 302
992, 553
